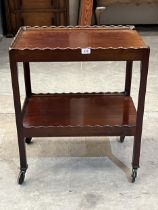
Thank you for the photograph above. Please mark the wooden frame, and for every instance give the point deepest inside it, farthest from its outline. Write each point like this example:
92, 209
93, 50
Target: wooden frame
85, 12
22, 12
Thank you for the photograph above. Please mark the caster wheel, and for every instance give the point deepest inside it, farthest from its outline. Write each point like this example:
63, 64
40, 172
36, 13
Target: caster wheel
21, 177
28, 140
122, 138
134, 175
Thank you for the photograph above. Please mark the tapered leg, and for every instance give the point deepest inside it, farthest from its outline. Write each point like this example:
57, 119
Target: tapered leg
128, 79
28, 89
17, 105
28, 140
27, 79
122, 138
140, 113
22, 152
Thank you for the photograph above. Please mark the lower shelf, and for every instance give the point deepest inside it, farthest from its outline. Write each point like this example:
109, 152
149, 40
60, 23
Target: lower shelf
82, 111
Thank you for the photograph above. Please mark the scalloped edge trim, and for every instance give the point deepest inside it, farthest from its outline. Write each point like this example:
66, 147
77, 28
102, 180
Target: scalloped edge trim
81, 93
79, 48
118, 27
82, 126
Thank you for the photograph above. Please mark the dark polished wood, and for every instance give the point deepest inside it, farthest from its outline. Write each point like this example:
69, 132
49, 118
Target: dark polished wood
79, 110
27, 79
128, 80
82, 114
77, 37
31, 13
68, 42
17, 106
140, 110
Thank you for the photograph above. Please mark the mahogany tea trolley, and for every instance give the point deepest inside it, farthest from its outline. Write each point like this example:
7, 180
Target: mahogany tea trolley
78, 114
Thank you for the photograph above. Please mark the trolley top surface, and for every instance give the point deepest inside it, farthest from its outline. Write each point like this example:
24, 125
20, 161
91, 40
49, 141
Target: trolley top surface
41, 38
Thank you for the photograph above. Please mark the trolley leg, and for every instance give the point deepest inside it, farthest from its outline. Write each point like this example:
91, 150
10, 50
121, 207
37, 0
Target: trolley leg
128, 79
27, 79
28, 89
18, 114
140, 113
23, 161
28, 140
122, 138
129, 65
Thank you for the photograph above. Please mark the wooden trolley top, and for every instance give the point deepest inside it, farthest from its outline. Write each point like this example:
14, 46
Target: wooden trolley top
68, 44
76, 37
